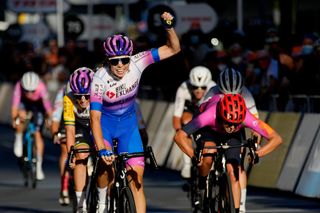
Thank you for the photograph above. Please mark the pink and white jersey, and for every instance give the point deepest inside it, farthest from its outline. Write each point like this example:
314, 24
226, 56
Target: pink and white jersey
208, 117
39, 95
113, 96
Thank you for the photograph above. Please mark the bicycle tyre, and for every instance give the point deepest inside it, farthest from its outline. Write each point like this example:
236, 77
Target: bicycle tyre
195, 195
226, 204
92, 198
33, 172
213, 196
126, 204
25, 172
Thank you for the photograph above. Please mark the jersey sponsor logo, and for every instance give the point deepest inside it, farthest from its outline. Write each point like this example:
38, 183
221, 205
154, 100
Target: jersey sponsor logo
112, 84
123, 90
110, 94
140, 55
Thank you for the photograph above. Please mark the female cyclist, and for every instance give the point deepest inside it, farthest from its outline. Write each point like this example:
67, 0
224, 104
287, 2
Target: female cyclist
225, 115
113, 94
76, 112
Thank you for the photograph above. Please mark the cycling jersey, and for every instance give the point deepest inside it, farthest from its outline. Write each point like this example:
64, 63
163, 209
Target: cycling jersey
208, 118
39, 101
115, 99
76, 116
183, 94
245, 93
73, 114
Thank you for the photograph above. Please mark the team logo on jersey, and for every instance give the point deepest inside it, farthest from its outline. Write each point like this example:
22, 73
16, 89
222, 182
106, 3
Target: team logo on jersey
110, 94
123, 90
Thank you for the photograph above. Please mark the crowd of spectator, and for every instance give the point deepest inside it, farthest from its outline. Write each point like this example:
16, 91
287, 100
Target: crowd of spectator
271, 71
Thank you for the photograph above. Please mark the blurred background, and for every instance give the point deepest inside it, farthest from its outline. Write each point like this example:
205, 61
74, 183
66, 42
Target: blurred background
273, 43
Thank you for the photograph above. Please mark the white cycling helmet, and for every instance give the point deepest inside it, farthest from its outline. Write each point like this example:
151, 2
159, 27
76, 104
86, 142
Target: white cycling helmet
30, 81
200, 76
230, 81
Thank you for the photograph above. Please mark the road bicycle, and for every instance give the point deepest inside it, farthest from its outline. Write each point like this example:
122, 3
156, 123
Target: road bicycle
217, 195
29, 157
121, 197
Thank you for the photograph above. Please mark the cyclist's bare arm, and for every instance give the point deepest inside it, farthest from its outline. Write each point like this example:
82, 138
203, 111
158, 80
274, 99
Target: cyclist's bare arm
172, 46
184, 142
176, 122
274, 141
70, 134
95, 117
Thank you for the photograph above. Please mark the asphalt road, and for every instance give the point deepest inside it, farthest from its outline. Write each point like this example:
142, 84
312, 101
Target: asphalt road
163, 189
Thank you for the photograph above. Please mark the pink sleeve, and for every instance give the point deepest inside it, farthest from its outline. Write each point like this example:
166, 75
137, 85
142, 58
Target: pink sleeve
257, 125
16, 95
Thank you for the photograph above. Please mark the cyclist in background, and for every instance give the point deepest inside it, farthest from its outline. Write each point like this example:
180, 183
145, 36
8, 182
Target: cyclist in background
76, 112
59, 137
113, 94
230, 81
188, 95
30, 95
224, 116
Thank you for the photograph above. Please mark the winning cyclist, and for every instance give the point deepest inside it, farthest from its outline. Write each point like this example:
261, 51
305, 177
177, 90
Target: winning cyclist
30, 95
225, 116
113, 93
230, 81
188, 95
76, 113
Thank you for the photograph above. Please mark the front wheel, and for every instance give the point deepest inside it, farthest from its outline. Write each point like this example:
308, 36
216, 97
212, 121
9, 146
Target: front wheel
126, 204
226, 204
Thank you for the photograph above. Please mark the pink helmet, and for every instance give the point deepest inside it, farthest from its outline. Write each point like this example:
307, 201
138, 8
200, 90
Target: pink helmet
80, 80
118, 45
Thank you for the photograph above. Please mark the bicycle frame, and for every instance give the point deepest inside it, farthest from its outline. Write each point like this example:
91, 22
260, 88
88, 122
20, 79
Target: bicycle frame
29, 158
218, 193
121, 196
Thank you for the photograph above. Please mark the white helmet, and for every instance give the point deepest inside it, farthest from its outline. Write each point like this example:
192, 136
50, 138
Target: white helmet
200, 76
230, 81
30, 81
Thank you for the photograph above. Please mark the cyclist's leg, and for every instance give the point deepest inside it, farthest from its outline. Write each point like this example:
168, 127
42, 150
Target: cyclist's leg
80, 173
38, 120
18, 141
207, 138
130, 141
243, 182
185, 172
233, 168
64, 174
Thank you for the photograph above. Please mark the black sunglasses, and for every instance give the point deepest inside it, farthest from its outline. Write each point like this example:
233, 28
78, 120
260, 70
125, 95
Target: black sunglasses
196, 87
79, 96
115, 61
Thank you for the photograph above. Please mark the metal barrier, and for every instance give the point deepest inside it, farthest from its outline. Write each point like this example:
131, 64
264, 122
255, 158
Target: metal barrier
298, 103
